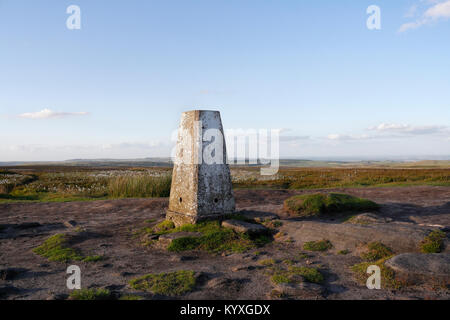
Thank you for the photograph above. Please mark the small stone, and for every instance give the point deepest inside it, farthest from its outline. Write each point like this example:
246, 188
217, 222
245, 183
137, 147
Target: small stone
175, 259
368, 218
150, 237
244, 227
70, 224
238, 268
301, 289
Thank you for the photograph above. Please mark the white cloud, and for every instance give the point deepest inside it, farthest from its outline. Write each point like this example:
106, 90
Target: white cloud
293, 138
438, 11
394, 131
345, 137
48, 114
409, 129
411, 25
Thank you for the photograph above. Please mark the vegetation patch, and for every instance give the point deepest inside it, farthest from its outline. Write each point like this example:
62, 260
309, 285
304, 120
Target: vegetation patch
164, 226
315, 178
322, 204
295, 274
273, 224
376, 251
320, 245
280, 278
433, 242
56, 248
302, 256
130, 297
139, 186
168, 284
388, 279
91, 294
267, 262
343, 252
50, 183
214, 239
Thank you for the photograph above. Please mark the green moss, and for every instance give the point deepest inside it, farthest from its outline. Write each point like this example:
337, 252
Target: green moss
320, 245
309, 274
302, 256
295, 275
267, 262
91, 294
163, 227
280, 278
343, 252
387, 274
320, 204
376, 251
168, 284
277, 224
433, 242
288, 262
306, 205
130, 297
93, 258
272, 224
56, 248
215, 239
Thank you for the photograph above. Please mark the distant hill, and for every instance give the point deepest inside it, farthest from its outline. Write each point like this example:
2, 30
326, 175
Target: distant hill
294, 163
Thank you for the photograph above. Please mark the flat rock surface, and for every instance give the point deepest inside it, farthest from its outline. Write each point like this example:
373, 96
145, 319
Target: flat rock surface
244, 227
428, 265
111, 228
302, 289
398, 236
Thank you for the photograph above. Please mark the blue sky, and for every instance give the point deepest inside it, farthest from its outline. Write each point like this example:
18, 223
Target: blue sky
116, 87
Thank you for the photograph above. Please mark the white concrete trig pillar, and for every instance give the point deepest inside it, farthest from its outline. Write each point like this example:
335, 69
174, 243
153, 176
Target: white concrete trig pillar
201, 181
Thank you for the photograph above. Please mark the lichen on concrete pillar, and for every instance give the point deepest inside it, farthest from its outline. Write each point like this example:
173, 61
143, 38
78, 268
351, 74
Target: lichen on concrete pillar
201, 181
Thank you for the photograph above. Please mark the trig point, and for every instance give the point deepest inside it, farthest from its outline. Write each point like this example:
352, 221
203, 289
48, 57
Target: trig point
201, 182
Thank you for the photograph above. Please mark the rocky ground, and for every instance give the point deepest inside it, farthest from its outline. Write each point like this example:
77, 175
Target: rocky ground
407, 215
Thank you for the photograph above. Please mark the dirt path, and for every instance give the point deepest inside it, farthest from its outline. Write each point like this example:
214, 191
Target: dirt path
110, 225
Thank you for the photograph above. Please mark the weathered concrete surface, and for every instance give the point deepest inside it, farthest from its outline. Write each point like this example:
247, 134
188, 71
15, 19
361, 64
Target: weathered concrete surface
399, 237
244, 227
422, 267
201, 181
